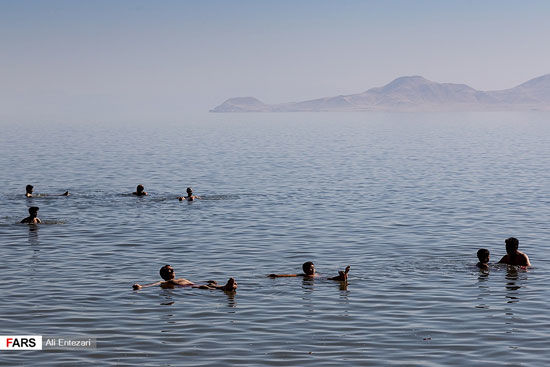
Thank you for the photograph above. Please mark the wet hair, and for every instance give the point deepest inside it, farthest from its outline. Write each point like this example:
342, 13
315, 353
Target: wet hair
512, 242
482, 254
29, 188
306, 267
189, 191
140, 188
33, 209
165, 272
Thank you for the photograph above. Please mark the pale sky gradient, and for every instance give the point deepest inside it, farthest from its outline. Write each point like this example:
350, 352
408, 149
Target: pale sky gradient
164, 59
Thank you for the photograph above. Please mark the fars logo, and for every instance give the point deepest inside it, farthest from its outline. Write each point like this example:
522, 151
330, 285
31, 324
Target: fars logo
20, 342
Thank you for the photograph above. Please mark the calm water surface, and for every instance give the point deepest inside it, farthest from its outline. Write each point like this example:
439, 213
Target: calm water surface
405, 199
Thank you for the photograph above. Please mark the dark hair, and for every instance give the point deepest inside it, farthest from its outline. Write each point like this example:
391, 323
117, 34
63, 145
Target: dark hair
306, 267
189, 190
140, 188
29, 187
165, 273
33, 209
482, 253
512, 241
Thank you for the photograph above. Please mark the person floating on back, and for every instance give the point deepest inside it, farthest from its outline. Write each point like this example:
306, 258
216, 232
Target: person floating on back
33, 216
513, 255
309, 272
29, 189
140, 191
189, 197
167, 273
483, 256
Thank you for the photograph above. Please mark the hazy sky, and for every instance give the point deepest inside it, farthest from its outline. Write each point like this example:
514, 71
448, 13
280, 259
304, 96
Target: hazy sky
114, 59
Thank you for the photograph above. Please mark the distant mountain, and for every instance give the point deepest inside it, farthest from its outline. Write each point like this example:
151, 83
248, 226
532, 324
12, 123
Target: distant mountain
413, 93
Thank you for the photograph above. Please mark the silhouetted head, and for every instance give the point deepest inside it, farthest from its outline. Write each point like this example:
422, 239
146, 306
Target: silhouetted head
512, 245
167, 272
231, 285
189, 191
29, 188
483, 255
33, 211
308, 268
140, 188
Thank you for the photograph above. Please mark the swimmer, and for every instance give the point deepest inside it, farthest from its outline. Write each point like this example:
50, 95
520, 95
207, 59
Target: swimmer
139, 191
483, 256
309, 272
167, 273
189, 197
28, 190
33, 216
513, 256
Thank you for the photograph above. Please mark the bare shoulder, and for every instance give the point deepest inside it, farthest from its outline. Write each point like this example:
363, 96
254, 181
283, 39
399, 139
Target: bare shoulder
525, 258
504, 259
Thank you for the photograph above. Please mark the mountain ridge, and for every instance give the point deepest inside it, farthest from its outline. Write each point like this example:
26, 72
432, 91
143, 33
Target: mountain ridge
412, 93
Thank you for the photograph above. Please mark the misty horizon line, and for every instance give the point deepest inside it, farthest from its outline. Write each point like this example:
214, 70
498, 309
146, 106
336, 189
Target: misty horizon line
412, 92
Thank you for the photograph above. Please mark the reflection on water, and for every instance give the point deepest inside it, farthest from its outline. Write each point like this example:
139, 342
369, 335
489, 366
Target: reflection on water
33, 236
231, 300
512, 284
483, 287
308, 284
168, 301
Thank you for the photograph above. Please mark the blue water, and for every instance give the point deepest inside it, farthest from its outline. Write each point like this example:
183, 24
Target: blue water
405, 199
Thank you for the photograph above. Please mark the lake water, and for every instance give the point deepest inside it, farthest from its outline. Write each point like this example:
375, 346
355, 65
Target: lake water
405, 199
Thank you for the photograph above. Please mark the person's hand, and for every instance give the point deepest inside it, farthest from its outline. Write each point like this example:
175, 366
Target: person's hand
136, 287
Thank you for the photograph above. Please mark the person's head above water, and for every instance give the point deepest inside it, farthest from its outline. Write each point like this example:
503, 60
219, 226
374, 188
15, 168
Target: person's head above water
140, 191
512, 245
29, 188
189, 191
167, 272
308, 268
483, 255
33, 211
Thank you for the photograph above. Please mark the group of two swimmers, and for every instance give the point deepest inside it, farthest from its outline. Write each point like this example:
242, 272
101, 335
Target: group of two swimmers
33, 210
140, 191
169, 279
513, 255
